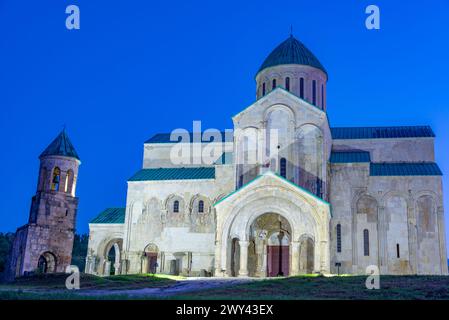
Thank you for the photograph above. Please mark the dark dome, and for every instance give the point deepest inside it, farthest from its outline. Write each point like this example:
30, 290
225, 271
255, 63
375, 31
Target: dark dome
291, 51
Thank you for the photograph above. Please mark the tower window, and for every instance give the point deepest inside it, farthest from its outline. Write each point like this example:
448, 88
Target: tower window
398, 252
274, 84
287, 83
263, 89
68, 188
176, 206
56, 179
201, 206
338, 237
314, 92
322, 96
366, 242
283, 168
301, 88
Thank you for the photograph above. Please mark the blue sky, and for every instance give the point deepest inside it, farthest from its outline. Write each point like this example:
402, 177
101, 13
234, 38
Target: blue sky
136, 68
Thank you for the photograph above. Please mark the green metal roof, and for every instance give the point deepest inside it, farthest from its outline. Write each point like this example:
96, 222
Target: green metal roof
111, 215
193, 173
61, 146
226, 136
350, 156
291, 51
382, 132
405, 169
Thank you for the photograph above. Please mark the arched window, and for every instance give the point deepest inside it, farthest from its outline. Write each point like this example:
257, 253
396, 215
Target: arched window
43, 179
283, 167
201, 206
263, 89
338, 237
56, 179
274, 84
287, 83
322, 96
176, 206
366, 242
398, 251
314, 92
68, 182
301, 88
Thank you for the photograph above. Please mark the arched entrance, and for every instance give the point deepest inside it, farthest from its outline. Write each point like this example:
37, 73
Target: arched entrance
269, 247
266, 253
47, 263
112, 257
150, 259
261, 212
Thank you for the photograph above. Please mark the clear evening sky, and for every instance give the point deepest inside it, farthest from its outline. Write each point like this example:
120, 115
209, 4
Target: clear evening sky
136, 68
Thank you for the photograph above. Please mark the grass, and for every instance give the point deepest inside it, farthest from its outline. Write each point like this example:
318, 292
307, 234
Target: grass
91, 282
301, 287
332, 288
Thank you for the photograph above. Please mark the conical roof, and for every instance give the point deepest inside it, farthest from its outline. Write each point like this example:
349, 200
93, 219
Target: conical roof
61, 146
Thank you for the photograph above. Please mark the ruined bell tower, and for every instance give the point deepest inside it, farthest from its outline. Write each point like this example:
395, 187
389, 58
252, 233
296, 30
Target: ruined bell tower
45, 243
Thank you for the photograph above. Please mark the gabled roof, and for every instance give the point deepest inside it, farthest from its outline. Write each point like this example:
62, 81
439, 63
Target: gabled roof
272, 174
159, 174
291, 51
226, 136
350, 156
405, 169
111, 215
382, 132
61, 146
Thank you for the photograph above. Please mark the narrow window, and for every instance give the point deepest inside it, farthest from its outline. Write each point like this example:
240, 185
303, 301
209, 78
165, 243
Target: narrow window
338, 237
322, 96
301, 88
283, 168
398, 252
56, 179
366, 242
287, 83
241, 181
314, 92
69, 182
176, 206
274, 84
263, 89
201, 206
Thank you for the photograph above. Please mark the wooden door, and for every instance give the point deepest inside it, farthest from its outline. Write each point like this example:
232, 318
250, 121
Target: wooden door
278, 259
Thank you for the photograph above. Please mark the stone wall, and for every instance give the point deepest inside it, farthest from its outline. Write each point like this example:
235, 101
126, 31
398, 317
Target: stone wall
404, 216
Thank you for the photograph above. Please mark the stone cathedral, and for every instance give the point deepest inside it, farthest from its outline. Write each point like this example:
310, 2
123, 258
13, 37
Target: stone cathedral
321, 200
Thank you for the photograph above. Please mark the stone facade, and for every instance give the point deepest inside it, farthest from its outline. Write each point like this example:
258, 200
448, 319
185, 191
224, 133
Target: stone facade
287, 195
